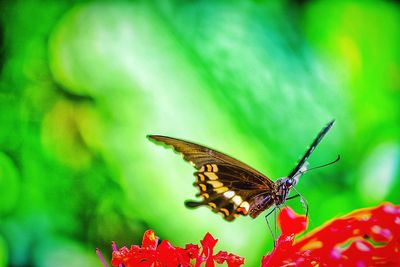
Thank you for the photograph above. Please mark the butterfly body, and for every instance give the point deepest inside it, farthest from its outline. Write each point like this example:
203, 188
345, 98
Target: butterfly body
277, 196
230, 187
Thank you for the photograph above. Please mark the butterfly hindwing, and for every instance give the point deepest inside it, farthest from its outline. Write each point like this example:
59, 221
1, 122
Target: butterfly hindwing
222, 192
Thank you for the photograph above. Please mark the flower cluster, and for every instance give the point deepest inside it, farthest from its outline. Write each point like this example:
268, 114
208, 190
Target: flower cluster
367, 237
165, 254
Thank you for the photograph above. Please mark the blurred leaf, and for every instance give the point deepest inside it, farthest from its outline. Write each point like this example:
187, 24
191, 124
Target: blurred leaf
9, 185
3, 253
62, 252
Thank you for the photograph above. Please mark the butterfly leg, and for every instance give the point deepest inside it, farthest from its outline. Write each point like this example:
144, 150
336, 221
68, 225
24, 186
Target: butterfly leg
305, 204
292, 197
269, 226
275, 227
302, 200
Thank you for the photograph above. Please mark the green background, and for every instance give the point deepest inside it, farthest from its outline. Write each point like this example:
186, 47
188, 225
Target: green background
83, 82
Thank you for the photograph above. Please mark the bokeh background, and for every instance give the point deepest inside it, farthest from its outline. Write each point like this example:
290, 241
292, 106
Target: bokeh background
83, 82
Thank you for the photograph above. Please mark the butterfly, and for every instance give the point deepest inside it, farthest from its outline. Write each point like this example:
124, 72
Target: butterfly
231, 187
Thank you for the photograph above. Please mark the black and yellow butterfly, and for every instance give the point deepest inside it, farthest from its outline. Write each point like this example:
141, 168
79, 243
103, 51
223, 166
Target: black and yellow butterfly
232, 188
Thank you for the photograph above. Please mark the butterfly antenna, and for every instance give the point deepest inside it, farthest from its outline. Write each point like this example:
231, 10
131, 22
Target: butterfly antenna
327, 164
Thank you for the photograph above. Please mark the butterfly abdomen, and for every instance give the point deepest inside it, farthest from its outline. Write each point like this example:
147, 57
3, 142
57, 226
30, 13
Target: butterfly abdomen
260, 203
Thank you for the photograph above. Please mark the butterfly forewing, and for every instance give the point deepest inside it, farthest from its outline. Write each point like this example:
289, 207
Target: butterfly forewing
227, 186
314, 144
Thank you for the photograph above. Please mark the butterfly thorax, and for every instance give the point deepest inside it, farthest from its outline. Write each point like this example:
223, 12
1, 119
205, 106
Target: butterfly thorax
283, 186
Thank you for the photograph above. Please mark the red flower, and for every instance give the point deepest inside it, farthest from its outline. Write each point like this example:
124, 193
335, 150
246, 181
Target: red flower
367, 237
165, 254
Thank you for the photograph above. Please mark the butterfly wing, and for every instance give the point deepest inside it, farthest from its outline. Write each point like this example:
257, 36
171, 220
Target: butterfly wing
314, 144
227, 185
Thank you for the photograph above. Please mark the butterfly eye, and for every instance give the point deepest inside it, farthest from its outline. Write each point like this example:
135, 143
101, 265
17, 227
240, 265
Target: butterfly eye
289, 182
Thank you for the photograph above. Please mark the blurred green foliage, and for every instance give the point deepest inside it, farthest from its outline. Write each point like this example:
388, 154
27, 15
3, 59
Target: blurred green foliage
82, 83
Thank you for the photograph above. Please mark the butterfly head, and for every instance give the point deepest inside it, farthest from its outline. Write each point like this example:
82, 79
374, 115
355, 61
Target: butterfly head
290, 182
286, 183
